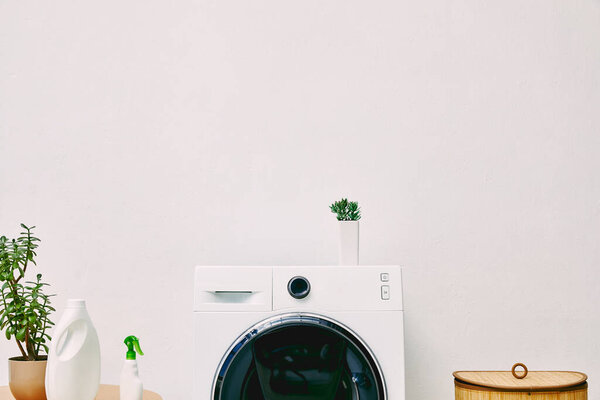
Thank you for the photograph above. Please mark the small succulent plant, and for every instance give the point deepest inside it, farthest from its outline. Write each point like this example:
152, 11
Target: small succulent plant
346, 210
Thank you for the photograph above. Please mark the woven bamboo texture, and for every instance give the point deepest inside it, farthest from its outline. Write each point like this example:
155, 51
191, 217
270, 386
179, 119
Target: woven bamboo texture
535, 380
469, 394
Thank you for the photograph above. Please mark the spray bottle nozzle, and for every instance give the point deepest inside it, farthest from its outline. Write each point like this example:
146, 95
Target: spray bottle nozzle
133, 343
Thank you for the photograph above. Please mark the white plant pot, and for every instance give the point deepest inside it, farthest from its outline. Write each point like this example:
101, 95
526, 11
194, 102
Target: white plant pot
348, 244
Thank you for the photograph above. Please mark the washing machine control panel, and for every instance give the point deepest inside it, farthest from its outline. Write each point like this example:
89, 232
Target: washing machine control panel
299, 287
338, 288
316, 288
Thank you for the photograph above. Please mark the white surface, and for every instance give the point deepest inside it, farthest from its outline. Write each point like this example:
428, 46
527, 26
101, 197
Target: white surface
348, 295
73, 368
348, 245
145, 137
130, 384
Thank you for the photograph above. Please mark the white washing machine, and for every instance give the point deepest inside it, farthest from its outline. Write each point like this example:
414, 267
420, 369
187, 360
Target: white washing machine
298, 333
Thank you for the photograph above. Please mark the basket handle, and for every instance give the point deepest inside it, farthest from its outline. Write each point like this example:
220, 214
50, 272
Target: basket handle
521, 376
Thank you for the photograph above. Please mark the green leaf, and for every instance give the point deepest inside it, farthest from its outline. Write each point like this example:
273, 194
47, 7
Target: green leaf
21, 334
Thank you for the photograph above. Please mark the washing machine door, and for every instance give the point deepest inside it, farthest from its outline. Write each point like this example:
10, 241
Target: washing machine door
299, 357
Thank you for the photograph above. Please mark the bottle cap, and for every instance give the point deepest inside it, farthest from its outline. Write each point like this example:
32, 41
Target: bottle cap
133, 345
75, 303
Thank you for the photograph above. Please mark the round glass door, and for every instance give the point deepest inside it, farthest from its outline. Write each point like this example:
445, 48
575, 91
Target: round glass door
299, 357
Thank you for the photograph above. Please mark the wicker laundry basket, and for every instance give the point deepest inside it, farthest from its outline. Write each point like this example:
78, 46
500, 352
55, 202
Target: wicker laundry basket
522, 385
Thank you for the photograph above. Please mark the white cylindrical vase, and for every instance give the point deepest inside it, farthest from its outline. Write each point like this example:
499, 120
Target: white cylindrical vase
348, 243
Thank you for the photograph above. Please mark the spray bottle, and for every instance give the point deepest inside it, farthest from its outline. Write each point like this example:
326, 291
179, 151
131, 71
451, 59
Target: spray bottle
131, 384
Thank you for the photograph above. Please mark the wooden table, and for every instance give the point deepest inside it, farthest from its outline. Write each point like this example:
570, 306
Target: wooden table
106, 392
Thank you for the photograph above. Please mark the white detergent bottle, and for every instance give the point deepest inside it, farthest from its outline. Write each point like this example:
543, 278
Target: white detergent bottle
131, 384
73, 368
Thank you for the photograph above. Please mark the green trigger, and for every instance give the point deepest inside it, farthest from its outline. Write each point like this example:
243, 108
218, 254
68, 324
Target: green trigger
136, 345
133, 343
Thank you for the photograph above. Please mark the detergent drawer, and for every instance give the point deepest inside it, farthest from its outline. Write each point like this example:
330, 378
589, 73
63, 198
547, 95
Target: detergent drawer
233, 289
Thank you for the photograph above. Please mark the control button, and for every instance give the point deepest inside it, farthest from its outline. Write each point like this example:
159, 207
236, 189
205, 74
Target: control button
299, 287
385, 292
385, 277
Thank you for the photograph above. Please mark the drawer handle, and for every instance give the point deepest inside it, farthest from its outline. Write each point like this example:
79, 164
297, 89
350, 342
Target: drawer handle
519, 376
233, 291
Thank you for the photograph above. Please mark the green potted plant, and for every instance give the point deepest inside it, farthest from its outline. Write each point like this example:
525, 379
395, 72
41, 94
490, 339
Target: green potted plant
24, 315
348, 215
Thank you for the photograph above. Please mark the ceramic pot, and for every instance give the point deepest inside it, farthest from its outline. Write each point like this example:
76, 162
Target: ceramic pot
348, 243
27, 378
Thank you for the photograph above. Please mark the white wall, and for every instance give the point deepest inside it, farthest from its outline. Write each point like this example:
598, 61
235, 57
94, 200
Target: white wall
144, 137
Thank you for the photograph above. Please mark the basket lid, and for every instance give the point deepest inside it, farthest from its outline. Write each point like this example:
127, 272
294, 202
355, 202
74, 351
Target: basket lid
524, 380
